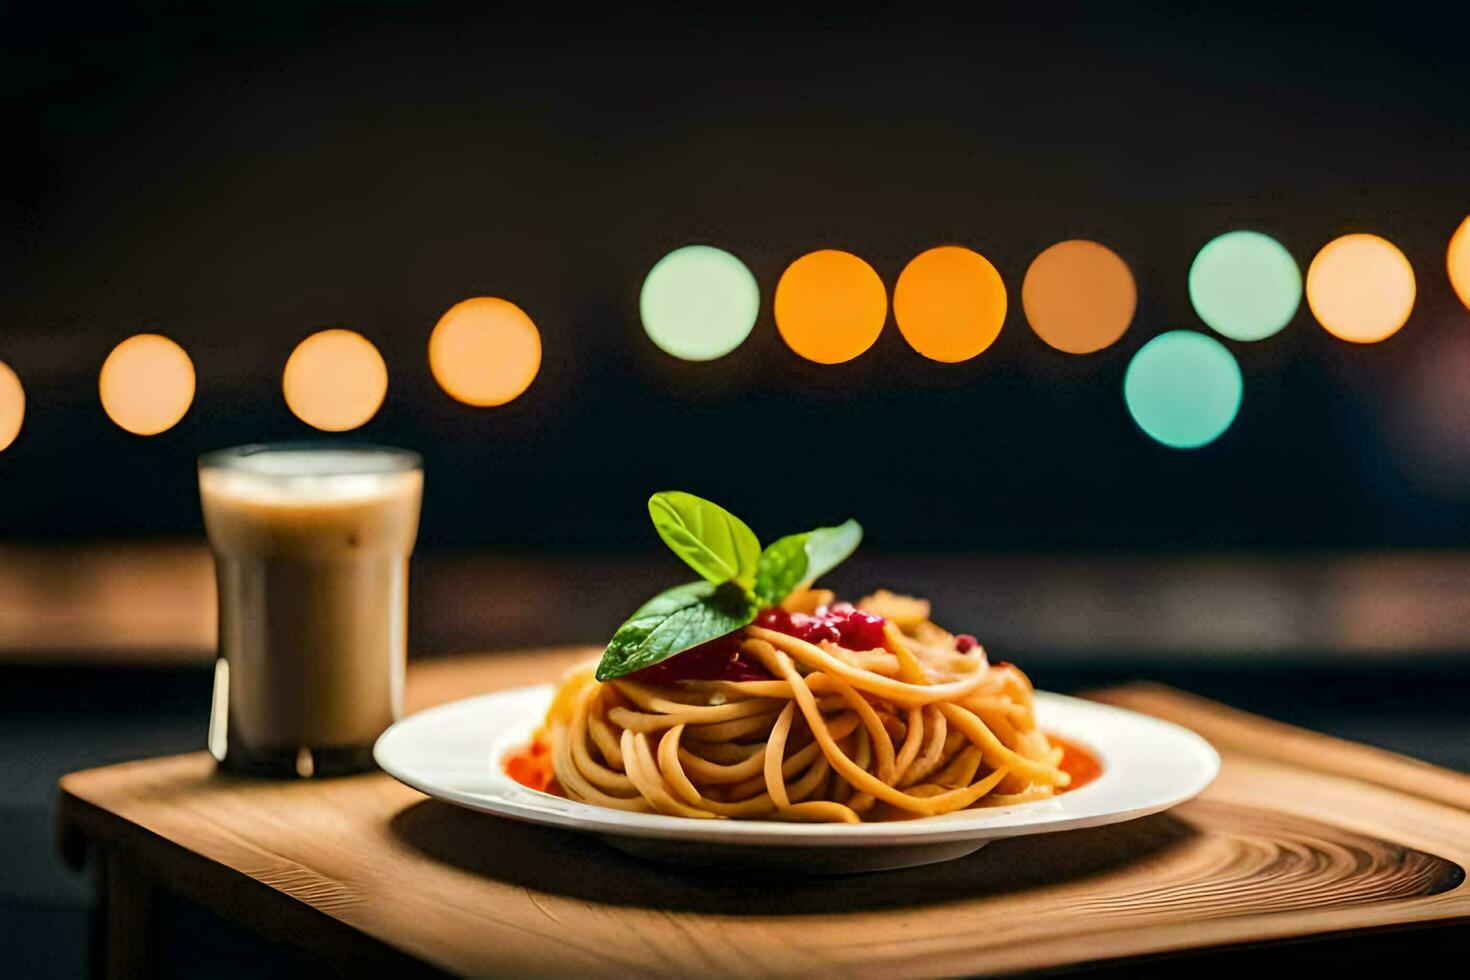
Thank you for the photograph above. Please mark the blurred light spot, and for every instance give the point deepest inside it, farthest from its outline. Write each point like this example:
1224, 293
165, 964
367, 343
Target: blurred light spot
1458, 260
830, 306
949, 303
1360, 288
1245, 285
1079, 296
485, 351
699, 303
12, 405
1183, 388
147, 384
335, 380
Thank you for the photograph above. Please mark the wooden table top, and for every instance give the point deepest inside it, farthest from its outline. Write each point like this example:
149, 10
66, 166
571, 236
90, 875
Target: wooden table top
1302, 835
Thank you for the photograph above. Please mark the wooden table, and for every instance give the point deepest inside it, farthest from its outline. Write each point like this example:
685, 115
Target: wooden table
1303, 836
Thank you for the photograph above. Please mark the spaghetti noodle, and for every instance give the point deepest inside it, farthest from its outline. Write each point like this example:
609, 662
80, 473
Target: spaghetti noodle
782, 721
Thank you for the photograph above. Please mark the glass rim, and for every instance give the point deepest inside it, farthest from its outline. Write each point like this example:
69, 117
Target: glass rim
385, 459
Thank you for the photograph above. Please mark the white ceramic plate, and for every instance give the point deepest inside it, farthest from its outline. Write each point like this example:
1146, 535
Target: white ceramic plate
454, 753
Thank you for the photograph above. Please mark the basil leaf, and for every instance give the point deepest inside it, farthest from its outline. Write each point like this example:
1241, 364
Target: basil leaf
781, 568
828, 547
672, 622
710, 539
800, 559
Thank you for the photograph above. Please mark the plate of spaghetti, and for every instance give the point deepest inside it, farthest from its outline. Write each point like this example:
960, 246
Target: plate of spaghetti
752, 719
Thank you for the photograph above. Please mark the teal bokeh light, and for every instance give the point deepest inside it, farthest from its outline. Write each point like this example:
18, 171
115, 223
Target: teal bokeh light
1245, 285
1183, 388
699, 303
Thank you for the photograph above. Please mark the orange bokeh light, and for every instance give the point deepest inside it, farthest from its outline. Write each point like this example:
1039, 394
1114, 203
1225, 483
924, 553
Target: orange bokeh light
830, 306
335, 380
12, 405
484, 351
146, 384
1361, 288
949, 303
1458, 261
1079, 296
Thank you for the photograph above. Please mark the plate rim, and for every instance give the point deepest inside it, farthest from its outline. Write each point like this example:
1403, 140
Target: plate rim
982, 824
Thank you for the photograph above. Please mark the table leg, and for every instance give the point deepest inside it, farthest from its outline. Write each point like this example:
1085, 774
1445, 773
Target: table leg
126, 923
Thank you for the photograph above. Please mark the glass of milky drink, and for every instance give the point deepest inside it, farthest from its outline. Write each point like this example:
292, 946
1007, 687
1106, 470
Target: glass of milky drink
311, 545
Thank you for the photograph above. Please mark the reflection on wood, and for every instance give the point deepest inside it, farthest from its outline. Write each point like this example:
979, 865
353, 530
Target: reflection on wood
1321, 837
144, 602
150, 601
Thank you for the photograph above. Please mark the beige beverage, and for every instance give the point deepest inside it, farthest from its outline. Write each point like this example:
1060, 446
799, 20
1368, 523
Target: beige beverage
311, 547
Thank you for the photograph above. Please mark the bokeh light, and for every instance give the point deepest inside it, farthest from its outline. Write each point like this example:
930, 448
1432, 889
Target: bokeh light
12, 405
1245, 285
830, 306
335, 380
146, 384
1458, 261
485, 351
1183, 388
1361, 288
949, 303
699, 303
1079, 296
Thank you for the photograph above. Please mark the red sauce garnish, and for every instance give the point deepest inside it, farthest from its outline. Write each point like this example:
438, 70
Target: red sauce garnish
841, 623
1077, 762
721, 660
716, 660
530, 765
964, 643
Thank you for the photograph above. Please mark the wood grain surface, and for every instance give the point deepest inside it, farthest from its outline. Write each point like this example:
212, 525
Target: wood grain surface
1301, 836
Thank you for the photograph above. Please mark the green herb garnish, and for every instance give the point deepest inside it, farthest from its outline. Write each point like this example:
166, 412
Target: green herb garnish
739, 579
711, 540
800, 559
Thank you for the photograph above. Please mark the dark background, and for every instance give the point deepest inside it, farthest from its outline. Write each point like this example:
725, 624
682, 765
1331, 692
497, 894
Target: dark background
238, 180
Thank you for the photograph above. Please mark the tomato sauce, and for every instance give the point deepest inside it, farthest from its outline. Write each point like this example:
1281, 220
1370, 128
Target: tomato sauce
719, 659
1077, 762
530, 765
